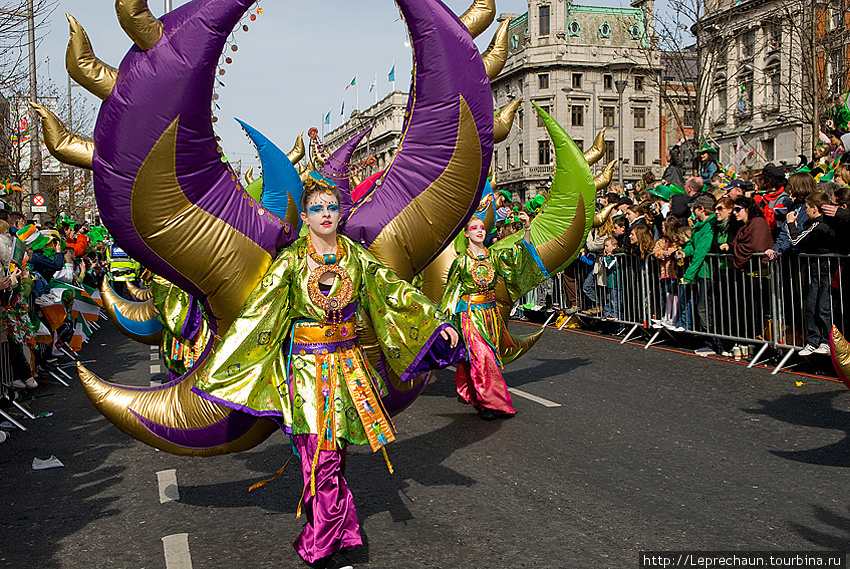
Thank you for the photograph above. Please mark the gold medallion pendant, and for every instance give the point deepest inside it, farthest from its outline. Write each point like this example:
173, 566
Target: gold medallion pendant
482, 272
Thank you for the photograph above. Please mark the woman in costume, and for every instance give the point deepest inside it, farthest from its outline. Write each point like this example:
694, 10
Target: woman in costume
470, 295
293, 355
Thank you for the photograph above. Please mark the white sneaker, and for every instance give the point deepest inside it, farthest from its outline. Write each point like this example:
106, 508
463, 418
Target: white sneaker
823, 349
31, 383
704, 352
807, 351
677, 329
18, 384
657, 324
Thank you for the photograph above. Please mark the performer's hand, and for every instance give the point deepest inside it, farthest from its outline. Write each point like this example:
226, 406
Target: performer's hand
450, 334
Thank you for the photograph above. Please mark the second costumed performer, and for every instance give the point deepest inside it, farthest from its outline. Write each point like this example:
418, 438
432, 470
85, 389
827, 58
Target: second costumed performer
293, 355
470, 295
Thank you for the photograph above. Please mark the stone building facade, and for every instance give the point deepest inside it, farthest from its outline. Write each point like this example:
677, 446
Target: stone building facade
760, 79
559, 58
386, 118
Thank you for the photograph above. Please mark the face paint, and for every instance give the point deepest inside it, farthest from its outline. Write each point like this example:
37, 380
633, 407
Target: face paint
322, 215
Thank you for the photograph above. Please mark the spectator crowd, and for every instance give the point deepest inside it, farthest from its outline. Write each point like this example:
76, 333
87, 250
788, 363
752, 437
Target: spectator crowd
709, 248
50, 276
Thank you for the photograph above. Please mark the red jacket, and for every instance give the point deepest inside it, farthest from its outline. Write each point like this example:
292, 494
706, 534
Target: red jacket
80, 245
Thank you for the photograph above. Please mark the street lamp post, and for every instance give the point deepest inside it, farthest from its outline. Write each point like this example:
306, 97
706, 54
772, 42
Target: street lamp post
35, 140
621, 72
167, 6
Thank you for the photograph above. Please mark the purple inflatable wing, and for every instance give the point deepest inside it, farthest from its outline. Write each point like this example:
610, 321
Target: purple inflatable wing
163, 189
435, 179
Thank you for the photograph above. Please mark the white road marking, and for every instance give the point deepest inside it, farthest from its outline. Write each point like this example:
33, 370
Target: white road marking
168, 491
521, 393
154, 348
154, 357
176, 549
530, 397
156, 368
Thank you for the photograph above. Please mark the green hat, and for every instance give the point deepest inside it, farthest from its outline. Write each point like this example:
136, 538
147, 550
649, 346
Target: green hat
662, 191
535, 203
507, 195
706, 147
674, 189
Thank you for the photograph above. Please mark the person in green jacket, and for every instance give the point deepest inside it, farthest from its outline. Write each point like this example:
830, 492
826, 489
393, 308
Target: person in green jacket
698, 273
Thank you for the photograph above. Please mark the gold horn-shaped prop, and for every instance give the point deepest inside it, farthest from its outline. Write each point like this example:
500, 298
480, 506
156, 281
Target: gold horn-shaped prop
505, 119
66, 147
84, 67
292, 217
175, 407
497, 53
602, 216
126, 314
297, 153
595, 153
140, 294
840, 353
249, 176
158, 200
603, 179
479, 16
521, 344
138, 22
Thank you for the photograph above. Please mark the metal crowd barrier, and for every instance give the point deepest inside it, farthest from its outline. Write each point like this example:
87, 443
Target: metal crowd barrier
758, 306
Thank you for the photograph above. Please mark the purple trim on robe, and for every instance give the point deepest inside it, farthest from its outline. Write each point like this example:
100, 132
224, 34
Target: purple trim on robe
437, 353
194, 318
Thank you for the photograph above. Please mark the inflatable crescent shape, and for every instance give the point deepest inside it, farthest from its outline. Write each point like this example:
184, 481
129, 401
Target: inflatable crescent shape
140, 294
839, 350
136, 320
156, 161
171, 418
572, 188
170, 199
280, 178
434, 182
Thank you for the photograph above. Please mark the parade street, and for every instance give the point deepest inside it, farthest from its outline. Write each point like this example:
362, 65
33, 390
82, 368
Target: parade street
614, 450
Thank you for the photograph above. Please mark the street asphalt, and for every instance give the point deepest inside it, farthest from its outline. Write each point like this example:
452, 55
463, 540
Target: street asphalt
614, 450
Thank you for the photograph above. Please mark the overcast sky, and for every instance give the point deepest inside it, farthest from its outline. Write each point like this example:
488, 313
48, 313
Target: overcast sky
292, 65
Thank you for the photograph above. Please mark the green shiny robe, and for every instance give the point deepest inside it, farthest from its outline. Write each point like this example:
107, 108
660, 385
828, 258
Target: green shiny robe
520, 269
252, 370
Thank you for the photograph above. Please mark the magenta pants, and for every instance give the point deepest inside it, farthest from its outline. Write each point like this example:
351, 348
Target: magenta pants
331, 517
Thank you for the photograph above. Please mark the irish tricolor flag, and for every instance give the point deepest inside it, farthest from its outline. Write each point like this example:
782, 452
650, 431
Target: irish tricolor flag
83, 303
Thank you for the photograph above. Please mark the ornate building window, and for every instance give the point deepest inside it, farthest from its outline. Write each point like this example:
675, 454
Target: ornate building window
634, 32
608, 116
574, 28
543, 13
640, 153
543, 154
577, 112
605, 30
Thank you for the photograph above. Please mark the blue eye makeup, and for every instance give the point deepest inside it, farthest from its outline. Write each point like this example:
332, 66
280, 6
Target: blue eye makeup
333, 208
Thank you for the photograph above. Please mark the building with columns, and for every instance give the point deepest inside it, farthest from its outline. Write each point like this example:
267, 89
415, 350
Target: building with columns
569, 59
386, 117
